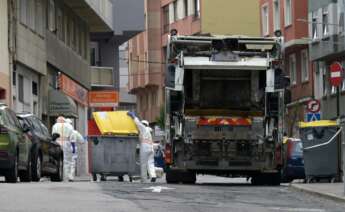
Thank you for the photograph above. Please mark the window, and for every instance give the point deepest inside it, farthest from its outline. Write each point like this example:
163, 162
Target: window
341, 22
77, 38
175, 11
66, 30
14, 78
71, 36
185, 6
23, 8
276, 15
264, 18
325, 23
30, 14
292, 68
197, 8
34, 88
166, 19
39, 17
322, 69
59, 24
51, 16
304, 66
21, 88
314, 25
288, 12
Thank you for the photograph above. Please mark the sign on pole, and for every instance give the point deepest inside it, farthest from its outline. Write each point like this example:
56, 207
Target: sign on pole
336, 76
313, 106
313, 117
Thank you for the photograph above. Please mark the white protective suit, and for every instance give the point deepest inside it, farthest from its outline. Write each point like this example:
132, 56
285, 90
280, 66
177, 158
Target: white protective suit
65, 130
146, 151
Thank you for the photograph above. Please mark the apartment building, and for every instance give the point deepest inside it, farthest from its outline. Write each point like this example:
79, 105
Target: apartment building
189, 17
327, 45
291, 19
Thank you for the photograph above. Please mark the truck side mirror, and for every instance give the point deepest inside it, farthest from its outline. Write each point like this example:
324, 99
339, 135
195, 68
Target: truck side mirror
170, 76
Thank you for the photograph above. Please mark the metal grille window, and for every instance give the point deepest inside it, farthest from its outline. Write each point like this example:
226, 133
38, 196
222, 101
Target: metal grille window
23, 7
59, 24
197, 8
30, 13
40, 17
185, 6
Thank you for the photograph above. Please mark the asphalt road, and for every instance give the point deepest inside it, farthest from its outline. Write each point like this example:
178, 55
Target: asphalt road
210, 194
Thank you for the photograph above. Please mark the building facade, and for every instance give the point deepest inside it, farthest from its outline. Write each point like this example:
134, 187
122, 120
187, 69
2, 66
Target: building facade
327, 45
189, 17
290, 18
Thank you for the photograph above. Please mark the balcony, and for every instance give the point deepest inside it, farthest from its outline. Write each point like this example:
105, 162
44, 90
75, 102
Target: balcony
102, 77
98, 14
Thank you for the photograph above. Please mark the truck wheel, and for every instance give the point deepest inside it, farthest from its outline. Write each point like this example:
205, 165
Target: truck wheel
188, 177
275, 179
12, 174
172, 176
94, 177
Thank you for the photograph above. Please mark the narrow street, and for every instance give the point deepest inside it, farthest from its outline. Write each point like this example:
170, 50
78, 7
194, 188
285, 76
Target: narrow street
210, 194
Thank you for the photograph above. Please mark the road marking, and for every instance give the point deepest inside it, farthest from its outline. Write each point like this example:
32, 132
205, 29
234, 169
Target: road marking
158, 189
298, 209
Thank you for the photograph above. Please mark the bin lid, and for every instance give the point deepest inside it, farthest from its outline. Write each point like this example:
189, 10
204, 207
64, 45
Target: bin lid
115, 122
321, 123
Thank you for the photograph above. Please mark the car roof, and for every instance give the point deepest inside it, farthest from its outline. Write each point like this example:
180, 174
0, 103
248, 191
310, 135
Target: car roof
25, 115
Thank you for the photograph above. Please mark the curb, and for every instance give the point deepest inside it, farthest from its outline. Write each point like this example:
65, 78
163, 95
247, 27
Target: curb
317, 193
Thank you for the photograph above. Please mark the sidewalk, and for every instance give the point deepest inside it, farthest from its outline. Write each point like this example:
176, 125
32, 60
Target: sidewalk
334, 191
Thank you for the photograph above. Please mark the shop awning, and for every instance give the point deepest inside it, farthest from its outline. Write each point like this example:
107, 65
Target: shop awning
61, 104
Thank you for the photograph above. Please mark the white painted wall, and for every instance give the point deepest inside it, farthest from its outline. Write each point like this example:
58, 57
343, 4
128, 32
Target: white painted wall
4, 54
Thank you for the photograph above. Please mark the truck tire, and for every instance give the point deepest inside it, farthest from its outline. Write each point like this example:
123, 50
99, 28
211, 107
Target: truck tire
188, 177
275, 179
172, 177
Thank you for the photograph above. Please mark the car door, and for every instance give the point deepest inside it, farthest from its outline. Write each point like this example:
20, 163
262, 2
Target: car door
44, 143
23, 142
53, 146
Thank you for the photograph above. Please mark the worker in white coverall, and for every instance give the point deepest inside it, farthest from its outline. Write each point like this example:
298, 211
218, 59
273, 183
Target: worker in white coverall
146, 149
65, 130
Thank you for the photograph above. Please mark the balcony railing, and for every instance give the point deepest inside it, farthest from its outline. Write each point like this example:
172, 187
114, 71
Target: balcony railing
102, 76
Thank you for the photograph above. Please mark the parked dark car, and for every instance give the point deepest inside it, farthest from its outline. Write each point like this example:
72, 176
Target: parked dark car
293, 163
14, 148
46, 153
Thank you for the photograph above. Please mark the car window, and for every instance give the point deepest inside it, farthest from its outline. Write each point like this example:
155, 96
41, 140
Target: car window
44, 128
11, 120
36, 125
15, 119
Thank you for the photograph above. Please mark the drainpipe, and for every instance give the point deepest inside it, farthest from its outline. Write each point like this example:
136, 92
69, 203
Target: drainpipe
12, 43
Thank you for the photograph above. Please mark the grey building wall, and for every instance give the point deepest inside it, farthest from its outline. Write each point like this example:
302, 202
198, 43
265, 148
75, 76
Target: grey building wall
315, 4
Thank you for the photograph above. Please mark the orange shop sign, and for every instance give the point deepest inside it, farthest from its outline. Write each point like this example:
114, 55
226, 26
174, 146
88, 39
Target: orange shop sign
73, 89
103, 98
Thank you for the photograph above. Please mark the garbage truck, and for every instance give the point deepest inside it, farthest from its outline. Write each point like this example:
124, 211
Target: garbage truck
224, 108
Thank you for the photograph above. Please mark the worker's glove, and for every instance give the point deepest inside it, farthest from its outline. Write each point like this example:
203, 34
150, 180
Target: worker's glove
131, 114
73, 148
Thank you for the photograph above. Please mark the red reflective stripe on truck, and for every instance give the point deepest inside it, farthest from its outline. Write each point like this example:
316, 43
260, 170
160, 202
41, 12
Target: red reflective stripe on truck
225, 121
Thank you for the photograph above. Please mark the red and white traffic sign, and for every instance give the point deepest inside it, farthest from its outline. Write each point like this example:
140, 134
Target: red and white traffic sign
313, 106
336, 77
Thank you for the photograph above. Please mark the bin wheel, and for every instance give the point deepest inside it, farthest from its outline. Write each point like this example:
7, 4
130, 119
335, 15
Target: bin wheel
309, 180
332, 180
130, 179
94, 176
103, 177
120, 178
